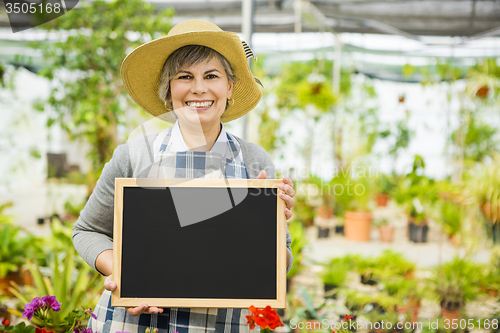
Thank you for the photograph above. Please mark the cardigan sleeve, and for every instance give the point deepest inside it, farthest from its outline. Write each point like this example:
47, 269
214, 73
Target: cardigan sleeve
93, 231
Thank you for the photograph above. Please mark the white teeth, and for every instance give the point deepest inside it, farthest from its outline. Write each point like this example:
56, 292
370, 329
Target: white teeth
199, 104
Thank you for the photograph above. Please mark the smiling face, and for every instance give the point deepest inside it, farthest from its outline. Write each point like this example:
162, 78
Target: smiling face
199, 93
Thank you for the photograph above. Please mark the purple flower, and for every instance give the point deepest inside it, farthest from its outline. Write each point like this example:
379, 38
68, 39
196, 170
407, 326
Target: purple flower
29, 310
87, 330
31, 307
91, 313
52, 302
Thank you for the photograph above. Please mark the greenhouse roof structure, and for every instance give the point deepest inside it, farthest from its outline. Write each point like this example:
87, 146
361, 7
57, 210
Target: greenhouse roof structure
465, 18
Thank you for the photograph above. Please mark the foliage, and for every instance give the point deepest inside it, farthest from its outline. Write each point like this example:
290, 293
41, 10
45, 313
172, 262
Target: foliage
353, 191
14, 248
336, 270
402, 288
299, 242
304, 307
456, 282
483, 183
87, 98
452, 216
385, 184
74, 287
483, 81
378, 222
361, 302
481, 140
40, 311
307, 83
19, 328
416, 192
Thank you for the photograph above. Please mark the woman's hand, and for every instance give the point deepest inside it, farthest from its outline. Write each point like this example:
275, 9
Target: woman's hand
110, 285
286, 187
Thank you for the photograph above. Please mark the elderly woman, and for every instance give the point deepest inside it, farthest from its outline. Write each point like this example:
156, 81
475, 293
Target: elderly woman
196, 77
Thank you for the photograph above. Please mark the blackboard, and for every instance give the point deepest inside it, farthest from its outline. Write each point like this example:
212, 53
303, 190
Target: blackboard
199, 243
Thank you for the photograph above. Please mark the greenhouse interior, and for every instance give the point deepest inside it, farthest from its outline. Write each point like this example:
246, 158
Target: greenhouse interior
385, 116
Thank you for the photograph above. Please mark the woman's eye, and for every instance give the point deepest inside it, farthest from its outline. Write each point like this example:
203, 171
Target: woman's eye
212, 76
184, 77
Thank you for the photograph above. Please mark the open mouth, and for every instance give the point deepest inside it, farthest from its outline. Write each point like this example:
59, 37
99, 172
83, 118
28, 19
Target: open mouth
200, 105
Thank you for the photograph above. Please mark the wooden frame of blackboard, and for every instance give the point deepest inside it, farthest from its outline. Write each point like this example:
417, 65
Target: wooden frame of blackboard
276, 301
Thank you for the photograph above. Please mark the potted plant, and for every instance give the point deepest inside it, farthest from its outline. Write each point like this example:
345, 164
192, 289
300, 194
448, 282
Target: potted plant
408, 293
13, 253
385, 187
390, 263
385, 229
304, 310
335, 274
324, 212
484, 185
456, 283
355, 197
416, 193
451, 218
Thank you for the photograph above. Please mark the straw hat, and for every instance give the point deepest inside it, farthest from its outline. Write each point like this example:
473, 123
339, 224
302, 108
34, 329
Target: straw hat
142, 68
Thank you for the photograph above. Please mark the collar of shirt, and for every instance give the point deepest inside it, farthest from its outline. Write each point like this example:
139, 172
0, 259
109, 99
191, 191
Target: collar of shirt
221, 145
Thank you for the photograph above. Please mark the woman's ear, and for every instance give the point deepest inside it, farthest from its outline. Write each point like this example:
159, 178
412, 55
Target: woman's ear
230, 89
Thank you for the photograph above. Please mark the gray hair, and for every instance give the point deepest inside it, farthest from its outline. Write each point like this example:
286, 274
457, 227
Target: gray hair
188, 56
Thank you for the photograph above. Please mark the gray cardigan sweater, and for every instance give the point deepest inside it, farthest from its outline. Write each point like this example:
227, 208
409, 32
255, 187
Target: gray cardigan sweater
93, 231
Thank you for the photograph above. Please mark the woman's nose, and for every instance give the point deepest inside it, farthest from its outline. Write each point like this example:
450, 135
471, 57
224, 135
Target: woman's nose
199, 86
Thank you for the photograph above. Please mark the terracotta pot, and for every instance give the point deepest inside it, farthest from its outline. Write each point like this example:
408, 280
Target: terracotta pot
16, 277
382, 199
386, 233
490, 213
325, 212
358, 226
450, 314
410, 311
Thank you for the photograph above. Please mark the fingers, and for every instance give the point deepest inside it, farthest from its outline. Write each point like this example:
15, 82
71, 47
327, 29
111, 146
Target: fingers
144, 308
262, 175
287, 189
138, 310
288, 213
109, 284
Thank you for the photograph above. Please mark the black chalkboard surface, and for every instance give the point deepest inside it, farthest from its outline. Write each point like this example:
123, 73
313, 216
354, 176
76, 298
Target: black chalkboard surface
199, 243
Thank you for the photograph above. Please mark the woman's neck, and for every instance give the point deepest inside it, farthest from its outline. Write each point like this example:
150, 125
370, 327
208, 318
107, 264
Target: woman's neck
200, 139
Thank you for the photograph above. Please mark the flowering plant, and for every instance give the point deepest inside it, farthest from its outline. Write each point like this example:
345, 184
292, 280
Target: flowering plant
39, 311
267, 318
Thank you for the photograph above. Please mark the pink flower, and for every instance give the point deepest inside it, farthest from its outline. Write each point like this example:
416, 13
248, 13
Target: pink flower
29, 309
52, 302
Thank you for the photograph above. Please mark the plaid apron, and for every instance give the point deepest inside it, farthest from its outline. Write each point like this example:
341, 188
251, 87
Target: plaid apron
189, 164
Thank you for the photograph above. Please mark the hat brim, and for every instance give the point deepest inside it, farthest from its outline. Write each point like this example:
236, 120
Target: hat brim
141, 71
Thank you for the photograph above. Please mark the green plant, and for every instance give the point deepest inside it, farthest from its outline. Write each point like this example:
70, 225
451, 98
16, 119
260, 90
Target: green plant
352, 193
299, 242
90, 103
456, 282
393, 263
74, 287
359, 302
380, 222
304, 307
385, 184
336, 270
416, 192
452, 216
14, 249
